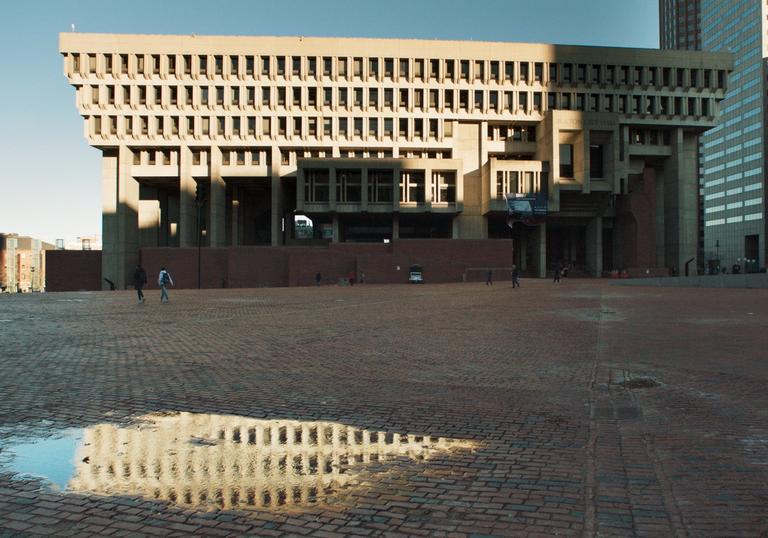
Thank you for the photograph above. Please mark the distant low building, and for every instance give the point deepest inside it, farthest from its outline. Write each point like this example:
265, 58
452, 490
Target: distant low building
86, 242
22, 263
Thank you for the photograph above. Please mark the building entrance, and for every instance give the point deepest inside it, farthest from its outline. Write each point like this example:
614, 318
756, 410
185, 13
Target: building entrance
566, 245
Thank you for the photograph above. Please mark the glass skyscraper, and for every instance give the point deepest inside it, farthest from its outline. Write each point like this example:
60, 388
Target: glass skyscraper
732, 155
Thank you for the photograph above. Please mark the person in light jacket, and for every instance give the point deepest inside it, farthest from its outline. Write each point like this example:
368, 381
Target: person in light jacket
164, 280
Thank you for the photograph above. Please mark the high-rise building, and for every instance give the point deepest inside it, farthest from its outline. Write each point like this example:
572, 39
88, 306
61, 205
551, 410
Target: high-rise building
377, 139
732, 155
680, 24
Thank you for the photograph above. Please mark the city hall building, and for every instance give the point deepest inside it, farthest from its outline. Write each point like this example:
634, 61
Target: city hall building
392, 139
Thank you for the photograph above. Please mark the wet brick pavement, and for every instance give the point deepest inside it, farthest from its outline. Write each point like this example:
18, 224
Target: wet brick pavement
550, 381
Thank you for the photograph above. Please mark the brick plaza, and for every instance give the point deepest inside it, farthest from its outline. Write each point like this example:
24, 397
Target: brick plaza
593, 409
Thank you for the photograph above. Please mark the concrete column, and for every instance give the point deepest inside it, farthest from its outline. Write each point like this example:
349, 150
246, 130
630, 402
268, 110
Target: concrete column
455, 231
217, 225
595, 246
127, 219
395, 226
235, 221
300, 187
586, 186
680, 213
109, 253
277, 200
335, 227
332, 189
364, 189
428, 189
187, 189
395, 189
541, 250
277, 211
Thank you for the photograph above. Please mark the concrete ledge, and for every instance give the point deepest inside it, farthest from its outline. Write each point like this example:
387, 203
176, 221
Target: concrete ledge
750, 280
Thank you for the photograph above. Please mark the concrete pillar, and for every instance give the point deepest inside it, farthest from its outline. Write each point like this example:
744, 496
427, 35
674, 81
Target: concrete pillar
332, 189
187, 210
126, 248
277, 200
300, 187
595, 246
455, 230
235, 217
428, 188
395, 189
277, 211
395, 226
680, 204
586, 187
217, 224
364, 189
109, 253
541, 250
335, 227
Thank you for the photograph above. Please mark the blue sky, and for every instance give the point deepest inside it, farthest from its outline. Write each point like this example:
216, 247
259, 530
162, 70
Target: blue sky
50, 177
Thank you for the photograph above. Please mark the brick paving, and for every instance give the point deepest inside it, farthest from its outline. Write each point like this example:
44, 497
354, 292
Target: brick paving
550, 381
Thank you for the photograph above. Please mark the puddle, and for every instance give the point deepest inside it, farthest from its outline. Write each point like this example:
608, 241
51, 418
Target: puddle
214, 461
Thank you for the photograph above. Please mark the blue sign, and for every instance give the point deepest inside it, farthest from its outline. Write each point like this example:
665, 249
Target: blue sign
530, 208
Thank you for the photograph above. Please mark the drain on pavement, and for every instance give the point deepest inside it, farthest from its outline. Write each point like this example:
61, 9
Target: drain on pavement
639, 383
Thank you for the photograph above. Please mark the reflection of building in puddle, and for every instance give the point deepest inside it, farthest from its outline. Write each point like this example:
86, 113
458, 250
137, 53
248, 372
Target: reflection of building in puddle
235, 462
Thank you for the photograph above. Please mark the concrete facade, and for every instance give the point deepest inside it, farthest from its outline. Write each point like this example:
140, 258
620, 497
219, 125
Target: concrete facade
377, 139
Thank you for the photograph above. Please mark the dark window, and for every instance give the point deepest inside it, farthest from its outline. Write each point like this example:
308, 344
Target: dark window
595, 161
566, 160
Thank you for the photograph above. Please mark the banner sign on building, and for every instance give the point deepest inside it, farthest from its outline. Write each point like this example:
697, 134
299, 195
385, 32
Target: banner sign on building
529, 208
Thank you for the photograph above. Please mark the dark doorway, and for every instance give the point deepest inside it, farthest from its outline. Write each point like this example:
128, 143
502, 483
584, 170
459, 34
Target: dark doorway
254, 219
752, 253
566, 245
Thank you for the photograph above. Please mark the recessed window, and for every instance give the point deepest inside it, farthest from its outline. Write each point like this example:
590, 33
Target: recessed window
596, 163
566, 160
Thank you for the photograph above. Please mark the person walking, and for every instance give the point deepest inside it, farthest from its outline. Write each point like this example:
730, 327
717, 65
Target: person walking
318, 278
558, 270
515, 276
164, 280
489, 278
139, 281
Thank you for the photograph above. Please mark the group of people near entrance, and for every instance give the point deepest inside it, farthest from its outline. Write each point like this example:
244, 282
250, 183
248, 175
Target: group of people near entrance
164, 280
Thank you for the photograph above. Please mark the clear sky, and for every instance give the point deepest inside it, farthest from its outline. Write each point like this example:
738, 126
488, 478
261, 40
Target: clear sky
50, 177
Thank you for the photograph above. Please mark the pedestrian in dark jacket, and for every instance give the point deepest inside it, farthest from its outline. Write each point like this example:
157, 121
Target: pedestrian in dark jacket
139, 281
515, 276
558, 271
